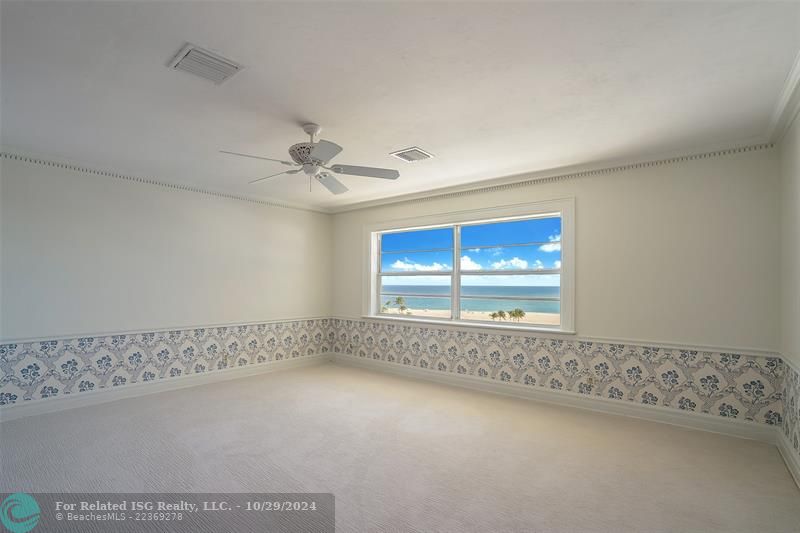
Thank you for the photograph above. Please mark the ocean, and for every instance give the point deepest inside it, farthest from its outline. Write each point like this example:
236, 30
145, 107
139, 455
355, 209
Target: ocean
485, 302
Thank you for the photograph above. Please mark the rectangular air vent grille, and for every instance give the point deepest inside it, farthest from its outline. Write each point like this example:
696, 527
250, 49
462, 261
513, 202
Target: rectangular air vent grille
208, 65
412, 155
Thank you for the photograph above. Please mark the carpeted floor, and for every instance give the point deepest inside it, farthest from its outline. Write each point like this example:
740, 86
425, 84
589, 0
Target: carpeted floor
404, 455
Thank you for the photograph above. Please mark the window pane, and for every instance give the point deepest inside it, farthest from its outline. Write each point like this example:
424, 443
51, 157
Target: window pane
496, 298
416, 295
417, 261
538, 257
541, 230
428, 239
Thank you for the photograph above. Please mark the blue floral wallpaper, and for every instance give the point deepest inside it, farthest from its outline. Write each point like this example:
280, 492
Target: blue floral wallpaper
791, 421
731, 385
53, 368
734, 385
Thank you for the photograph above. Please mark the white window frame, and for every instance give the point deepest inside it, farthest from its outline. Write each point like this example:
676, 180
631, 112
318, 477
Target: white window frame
564, 208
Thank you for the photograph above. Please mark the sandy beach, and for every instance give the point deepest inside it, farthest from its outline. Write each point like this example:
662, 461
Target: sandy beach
547, 319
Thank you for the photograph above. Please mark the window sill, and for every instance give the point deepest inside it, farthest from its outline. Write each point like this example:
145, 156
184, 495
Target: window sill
515, 328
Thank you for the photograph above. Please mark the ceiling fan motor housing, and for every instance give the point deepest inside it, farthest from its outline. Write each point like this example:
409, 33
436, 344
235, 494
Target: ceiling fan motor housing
301, 153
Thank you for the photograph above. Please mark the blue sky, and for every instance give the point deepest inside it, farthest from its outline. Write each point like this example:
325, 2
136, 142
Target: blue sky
483, 247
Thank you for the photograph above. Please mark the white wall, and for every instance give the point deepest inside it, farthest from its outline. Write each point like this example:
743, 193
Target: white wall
790, 243
682, 253
1, 253
92, 254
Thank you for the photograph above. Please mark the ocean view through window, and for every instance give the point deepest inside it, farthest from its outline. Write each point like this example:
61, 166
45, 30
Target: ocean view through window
489, 271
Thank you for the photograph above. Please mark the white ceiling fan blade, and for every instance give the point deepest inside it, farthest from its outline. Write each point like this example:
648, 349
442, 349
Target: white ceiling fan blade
370, 172
259, 157
331, 183
325, 151
278, 174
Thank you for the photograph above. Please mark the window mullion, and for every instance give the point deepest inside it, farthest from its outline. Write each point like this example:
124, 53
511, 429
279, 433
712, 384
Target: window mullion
378, 280
455, 282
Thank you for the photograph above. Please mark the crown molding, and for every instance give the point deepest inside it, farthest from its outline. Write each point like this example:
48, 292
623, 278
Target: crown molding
529, 179
788, 105
526, 179
13, 155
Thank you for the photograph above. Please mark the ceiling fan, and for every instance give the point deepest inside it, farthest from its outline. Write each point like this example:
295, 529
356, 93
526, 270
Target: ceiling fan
313, 158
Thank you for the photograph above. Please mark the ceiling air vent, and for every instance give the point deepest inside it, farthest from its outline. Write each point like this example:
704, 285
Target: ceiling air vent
208, 65
412, 155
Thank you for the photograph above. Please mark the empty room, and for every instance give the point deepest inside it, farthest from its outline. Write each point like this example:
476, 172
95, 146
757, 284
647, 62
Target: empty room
399, 266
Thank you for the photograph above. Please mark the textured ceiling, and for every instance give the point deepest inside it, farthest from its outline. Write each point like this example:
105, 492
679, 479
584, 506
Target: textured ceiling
491, 89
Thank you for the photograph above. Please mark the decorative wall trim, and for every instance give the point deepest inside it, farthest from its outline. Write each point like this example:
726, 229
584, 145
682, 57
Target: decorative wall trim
791, 363
485, 186
722, 384
151, 181
788, 104
525, 180
789, 434
38, 407
554, 334
55, 370
732, 427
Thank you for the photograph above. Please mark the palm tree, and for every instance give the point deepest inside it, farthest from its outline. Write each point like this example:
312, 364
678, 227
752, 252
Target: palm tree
517, 314
501, 315
385, 307
494, 316
401, 303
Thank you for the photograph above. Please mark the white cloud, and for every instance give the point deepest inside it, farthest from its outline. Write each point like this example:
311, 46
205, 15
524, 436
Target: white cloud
554, 245
515, 263
557, 264
408, 266
551, 247
538, 265
474, 250
467, 263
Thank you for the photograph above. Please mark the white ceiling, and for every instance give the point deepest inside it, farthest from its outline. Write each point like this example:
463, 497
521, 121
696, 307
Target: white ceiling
491, 89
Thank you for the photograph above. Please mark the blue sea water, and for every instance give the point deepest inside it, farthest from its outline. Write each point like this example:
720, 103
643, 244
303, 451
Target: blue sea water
485, 302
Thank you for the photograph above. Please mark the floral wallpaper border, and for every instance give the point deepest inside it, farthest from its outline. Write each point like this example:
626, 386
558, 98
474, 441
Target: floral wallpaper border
55, 368
747, 387
731, 385
791, 419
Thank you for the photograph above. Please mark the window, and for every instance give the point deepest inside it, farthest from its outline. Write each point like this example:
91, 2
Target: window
510, 270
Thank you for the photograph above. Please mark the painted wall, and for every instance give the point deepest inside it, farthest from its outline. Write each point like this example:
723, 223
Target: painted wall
790, 244
680, 253
91, 254
1, 253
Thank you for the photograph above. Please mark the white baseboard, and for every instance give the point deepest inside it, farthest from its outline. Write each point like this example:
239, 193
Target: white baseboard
687, 419
72, 401
791, 459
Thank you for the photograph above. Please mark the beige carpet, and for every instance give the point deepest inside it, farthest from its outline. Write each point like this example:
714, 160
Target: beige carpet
403, 455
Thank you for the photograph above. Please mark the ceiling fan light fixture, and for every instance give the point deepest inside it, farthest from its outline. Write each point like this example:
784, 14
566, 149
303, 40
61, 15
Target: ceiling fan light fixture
313, 156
